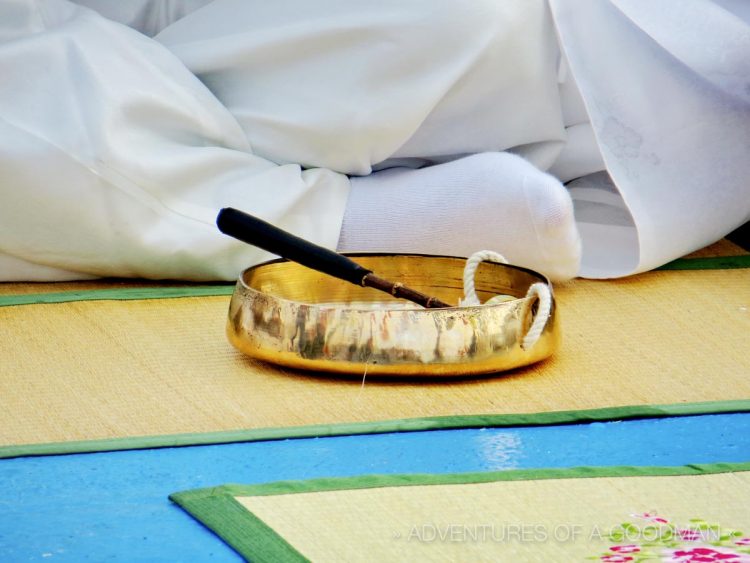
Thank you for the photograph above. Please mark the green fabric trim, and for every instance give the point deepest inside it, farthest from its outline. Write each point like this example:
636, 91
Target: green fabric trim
121, 294
713, 263
217, 507
378, 427
237, 526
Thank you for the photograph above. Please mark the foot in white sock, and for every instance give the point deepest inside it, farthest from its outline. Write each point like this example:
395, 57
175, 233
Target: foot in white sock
494, 201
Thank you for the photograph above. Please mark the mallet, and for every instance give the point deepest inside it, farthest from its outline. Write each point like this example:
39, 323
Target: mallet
259, 233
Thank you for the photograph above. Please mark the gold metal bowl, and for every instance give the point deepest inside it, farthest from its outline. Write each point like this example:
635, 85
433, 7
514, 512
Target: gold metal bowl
292, 316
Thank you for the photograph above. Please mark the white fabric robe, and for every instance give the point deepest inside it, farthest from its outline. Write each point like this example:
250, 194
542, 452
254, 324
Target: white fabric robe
667, 89
117, 148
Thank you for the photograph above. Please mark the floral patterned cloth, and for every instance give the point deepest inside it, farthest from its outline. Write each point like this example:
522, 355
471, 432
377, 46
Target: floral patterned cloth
654, 538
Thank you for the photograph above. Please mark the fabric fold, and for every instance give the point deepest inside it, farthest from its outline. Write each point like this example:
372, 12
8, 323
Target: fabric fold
115, 159
675, 144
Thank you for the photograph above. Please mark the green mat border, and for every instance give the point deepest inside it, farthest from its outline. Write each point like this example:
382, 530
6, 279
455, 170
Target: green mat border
712, 263
218, 510
377, 427
119, 294
226, 289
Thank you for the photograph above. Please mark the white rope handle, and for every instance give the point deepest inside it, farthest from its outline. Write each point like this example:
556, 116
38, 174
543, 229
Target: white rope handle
539, 290
542, 292
470, 270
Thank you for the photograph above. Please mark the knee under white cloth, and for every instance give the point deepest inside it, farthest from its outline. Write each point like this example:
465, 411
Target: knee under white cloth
114, 158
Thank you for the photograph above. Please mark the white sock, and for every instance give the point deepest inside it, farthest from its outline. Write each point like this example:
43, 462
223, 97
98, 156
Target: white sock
492, 201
